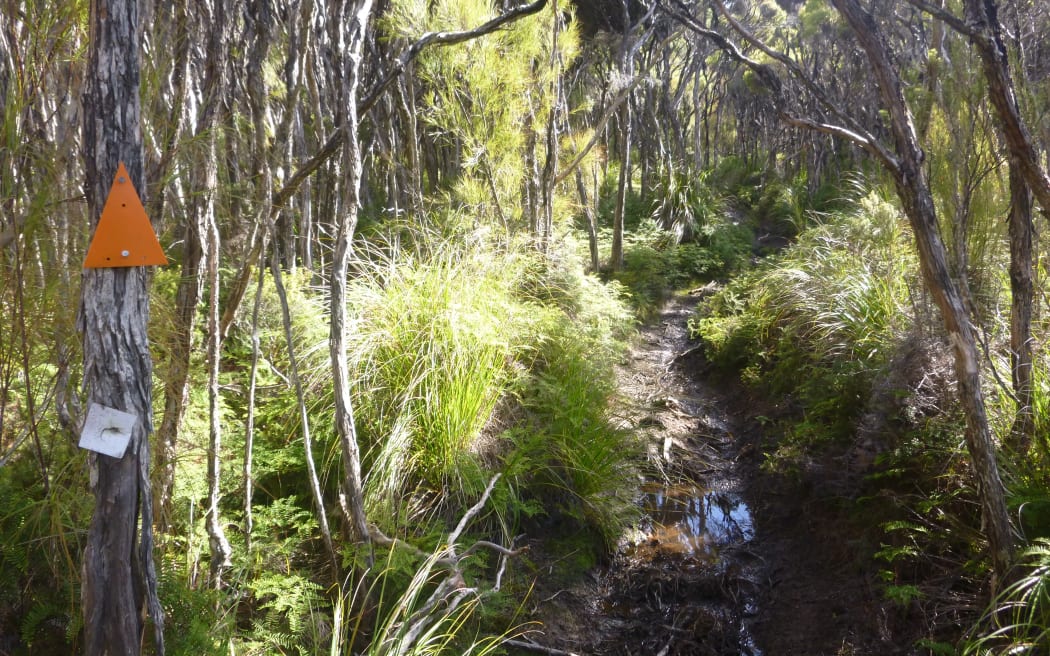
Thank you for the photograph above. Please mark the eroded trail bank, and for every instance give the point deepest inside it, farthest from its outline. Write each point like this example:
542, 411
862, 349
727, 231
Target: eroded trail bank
728, 559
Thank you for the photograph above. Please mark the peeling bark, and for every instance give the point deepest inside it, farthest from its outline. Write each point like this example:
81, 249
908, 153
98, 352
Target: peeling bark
118, 571
917, 200
361, 13
1022, 294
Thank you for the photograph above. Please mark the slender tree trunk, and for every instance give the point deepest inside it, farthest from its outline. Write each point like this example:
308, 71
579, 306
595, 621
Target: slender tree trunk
532, 174
917, 200
985, 33
616, 257
357, 30
118, 572
176, 387
259, 18
1022, 232
304, 417
1027, 175
176, 390
588, 212
249, 424
219, 545
550, 164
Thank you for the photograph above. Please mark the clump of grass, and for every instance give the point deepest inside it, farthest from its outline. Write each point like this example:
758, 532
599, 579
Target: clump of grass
656, 264
686, 206
469, 362
431, 365
1018, 619
818, 320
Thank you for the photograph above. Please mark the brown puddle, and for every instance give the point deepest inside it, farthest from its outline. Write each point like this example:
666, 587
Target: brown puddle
687, 520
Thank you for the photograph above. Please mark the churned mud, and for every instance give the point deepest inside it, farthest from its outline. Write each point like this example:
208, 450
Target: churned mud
728, 559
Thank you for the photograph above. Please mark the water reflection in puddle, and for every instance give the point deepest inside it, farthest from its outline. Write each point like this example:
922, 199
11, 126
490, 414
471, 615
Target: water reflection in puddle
691, 521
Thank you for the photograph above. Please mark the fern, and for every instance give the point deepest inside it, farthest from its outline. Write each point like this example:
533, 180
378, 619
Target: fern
41, 613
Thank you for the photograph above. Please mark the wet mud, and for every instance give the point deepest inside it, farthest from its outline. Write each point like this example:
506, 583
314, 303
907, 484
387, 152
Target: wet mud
726, 560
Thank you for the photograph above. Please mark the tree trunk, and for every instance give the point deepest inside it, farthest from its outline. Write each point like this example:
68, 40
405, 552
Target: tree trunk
219, 545
247, 469
176, 388
304, 416
1022, 232
550, 164
917, 200
986, 34
592, 224
616, 256
114, 312
361, 12
1026, 176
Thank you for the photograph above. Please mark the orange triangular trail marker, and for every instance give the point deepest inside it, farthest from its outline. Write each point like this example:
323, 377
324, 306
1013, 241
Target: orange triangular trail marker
124, 236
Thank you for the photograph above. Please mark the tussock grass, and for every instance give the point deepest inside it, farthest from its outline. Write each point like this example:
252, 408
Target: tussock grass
466, 360
440, 337
829, 309
1018, 619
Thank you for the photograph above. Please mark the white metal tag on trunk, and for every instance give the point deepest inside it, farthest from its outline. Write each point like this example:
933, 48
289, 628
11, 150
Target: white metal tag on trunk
107, 430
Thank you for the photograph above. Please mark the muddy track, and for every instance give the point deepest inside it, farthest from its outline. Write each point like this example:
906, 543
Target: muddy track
729, 559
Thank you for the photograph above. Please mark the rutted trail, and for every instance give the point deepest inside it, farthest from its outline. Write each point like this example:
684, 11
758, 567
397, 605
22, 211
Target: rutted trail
728, 560
688, 581
685, 582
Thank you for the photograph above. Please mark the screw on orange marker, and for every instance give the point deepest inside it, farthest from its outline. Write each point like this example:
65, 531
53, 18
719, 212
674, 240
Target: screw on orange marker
124, 236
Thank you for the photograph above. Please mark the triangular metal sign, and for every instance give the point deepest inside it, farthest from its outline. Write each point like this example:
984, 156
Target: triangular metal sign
124, 236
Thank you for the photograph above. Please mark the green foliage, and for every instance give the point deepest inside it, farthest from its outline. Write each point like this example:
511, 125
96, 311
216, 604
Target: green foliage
412, 624
39, 553
655, 265
635, 209
1018, 620
431, 368
569, 454
489, 100
192, 627
466, 361
686, 206
739, 179
816, 321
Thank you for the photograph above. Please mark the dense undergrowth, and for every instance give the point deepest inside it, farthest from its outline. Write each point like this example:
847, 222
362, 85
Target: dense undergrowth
468, 362
474, 358
838, 338
465, 366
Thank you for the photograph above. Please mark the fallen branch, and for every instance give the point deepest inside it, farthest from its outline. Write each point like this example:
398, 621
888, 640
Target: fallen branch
530, 645
453, 588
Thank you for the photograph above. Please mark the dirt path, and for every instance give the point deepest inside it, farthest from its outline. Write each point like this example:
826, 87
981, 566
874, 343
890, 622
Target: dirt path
729, 560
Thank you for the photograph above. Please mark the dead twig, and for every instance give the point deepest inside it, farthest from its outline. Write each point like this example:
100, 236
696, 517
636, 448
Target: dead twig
530, 645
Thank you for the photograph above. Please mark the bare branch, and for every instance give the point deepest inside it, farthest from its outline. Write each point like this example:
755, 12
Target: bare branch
474, 510
799, 74
865, 141
443, 39
984, 31
606, 115
485, 544
769, 78
944, 16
